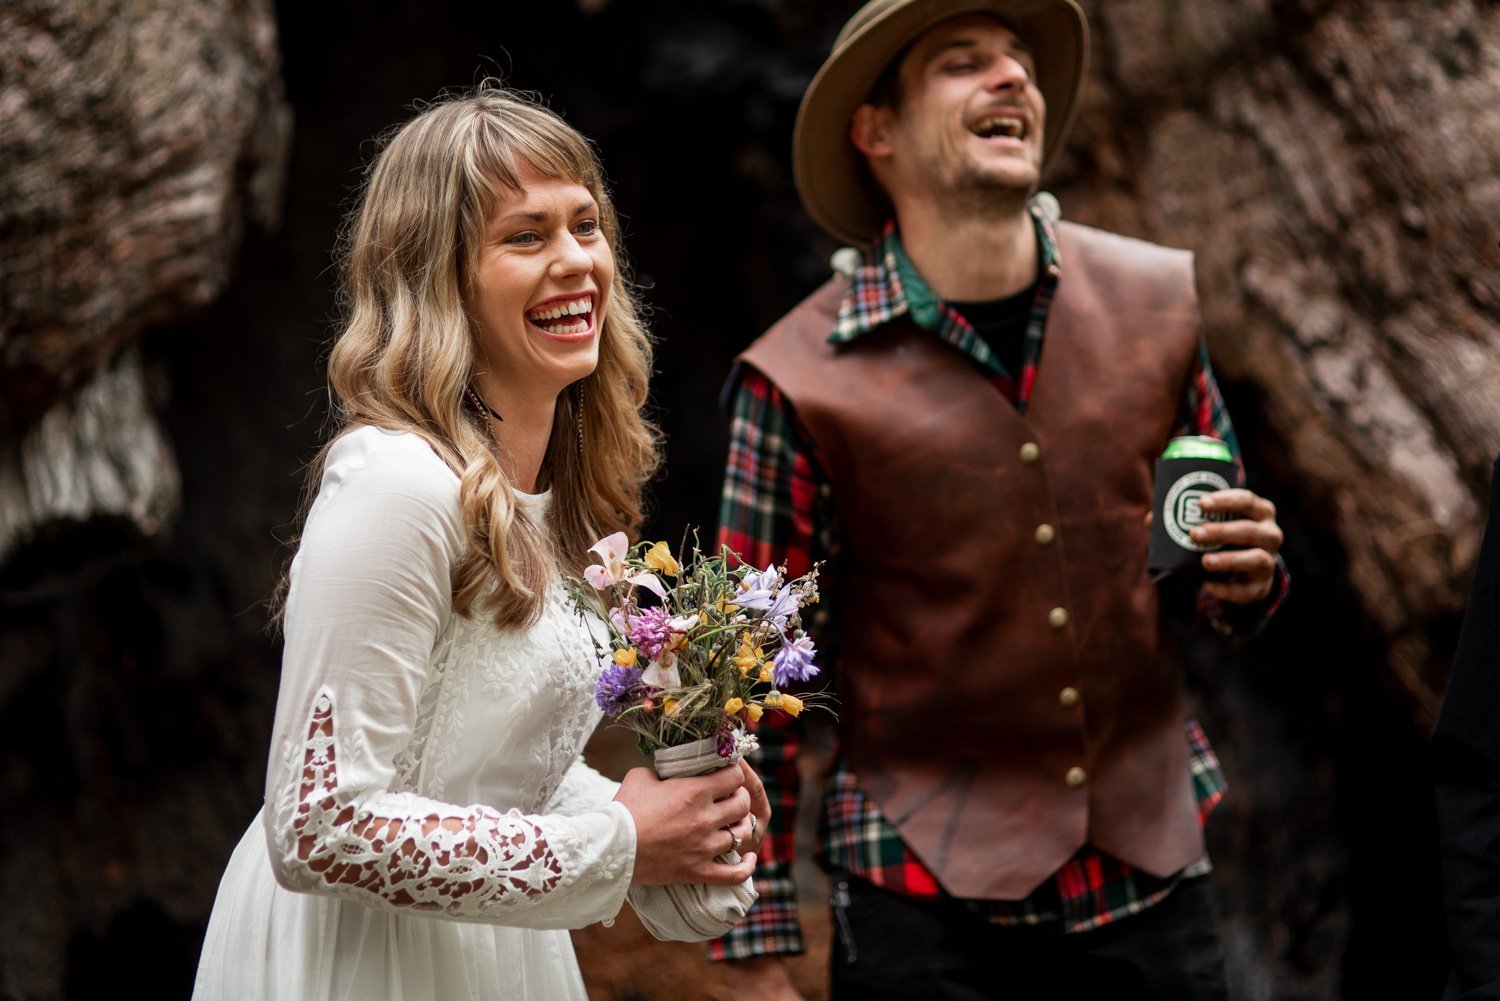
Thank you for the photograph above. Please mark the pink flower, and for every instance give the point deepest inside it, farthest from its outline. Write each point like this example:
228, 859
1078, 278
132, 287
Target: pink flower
612, 569
650, 631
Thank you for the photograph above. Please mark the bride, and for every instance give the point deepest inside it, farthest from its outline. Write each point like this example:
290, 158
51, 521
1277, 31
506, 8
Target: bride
430, 829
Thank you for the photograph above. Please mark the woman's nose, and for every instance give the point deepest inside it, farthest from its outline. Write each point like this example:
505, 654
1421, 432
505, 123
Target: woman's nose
571, 257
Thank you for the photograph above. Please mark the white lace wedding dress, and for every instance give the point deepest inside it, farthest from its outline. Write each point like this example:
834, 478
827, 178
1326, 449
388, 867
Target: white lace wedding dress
429, 828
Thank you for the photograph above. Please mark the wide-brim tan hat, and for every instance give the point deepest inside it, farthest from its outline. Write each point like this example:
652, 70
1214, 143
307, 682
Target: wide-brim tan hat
829, 170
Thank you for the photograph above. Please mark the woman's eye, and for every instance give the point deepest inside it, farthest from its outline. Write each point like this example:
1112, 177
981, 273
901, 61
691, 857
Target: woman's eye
523, 239
587, 228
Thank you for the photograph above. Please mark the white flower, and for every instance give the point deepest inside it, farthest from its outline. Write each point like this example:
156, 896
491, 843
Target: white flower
662, 672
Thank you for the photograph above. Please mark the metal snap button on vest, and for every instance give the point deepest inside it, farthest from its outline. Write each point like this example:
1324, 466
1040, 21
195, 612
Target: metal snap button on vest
1057, 618
1045, 534
1076, 777
1030, 452
1068, 697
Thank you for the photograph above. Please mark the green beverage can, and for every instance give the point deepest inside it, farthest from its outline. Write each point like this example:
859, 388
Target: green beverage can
1197, 446
1189, 467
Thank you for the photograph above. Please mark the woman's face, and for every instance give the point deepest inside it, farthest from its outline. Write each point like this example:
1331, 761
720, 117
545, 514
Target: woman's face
541, 282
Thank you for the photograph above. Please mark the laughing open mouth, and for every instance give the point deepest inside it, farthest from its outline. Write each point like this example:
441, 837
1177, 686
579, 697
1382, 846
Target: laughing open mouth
571, 316
1000, 124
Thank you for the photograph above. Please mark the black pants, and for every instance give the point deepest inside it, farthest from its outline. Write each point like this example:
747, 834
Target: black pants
886, 945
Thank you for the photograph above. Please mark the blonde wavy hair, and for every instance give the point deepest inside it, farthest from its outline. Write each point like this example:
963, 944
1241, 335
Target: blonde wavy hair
406, 351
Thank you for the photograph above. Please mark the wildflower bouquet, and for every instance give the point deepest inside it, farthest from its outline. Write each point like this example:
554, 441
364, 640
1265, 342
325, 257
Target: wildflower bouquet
714, 652
686, 673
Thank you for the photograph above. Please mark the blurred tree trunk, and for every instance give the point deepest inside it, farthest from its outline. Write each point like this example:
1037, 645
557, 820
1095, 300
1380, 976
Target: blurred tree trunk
136, 142
1336, 166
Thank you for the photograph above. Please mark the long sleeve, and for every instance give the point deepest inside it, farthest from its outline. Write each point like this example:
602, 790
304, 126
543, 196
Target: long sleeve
581, 790
369, 600
1203, 413
769, 514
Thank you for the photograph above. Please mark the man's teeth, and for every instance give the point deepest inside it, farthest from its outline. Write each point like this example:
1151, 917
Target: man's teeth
990, 127
581, 307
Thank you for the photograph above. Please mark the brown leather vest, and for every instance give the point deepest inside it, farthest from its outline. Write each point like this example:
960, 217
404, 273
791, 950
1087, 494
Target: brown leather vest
1007, 688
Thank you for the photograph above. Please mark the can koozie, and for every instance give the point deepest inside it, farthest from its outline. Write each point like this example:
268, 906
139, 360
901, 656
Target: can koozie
1189, 468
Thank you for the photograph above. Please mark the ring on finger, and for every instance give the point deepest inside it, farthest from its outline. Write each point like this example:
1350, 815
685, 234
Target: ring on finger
754, 825
737, 841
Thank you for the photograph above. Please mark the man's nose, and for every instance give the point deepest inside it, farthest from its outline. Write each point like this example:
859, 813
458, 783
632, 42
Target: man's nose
1007, 73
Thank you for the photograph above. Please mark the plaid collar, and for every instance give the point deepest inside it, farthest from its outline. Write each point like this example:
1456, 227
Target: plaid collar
886, 285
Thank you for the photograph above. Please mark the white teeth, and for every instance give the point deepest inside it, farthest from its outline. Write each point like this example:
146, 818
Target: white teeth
1010, 127
574, 307
574, 327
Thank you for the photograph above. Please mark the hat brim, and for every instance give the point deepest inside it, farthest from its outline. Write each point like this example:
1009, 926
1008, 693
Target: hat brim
829, 170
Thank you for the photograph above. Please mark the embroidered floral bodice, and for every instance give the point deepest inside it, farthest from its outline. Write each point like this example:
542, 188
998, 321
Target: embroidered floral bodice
422, 759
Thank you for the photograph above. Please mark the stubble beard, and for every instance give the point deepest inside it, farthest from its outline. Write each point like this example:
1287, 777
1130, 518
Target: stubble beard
989, 195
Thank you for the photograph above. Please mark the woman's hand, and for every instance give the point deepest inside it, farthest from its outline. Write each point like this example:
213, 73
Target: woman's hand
751, 829
682, 824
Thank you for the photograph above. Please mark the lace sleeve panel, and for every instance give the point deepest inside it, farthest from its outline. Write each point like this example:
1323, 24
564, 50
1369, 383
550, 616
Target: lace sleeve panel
400, 850
369, 596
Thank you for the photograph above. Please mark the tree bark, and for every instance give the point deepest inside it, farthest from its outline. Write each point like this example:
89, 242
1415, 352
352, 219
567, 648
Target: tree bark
138, 141
1333, 164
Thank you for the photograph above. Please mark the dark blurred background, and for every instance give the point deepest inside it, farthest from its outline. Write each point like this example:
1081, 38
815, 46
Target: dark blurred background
137, 676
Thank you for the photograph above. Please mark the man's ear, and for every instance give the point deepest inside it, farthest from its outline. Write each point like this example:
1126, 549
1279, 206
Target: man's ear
869, 130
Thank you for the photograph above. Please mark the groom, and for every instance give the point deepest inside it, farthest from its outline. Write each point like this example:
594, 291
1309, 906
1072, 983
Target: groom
964, 427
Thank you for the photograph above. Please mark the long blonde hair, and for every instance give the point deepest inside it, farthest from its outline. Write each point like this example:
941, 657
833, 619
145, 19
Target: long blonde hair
405, 353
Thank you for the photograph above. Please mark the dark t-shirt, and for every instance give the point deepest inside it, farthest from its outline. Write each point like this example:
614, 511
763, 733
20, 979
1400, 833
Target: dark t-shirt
1001, 323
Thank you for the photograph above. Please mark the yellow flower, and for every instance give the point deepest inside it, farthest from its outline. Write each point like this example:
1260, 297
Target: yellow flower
734, 705
669, 706
789, 704
749, 657
766, 673
625, 657
659, 557
755, 712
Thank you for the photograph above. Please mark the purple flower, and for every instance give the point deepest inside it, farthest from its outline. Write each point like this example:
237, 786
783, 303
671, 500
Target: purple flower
757, 589
794, 661
783, 607
617, 689
650, 631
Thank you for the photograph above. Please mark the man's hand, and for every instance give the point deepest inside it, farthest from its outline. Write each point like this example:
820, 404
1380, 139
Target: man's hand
764, 978
1250, 567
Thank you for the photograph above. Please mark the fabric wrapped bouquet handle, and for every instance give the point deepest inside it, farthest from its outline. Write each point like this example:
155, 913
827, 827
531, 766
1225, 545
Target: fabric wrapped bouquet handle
692, 912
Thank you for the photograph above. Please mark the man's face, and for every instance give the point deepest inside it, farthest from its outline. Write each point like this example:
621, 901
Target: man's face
969, 120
